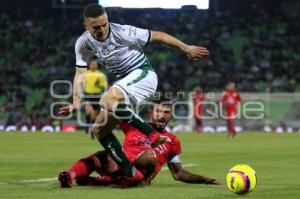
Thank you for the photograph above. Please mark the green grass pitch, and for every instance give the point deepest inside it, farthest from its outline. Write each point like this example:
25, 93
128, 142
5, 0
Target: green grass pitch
41, 156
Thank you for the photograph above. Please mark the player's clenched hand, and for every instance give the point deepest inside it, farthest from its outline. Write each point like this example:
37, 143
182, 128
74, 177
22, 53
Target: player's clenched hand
66, 110
162, 139
196, 52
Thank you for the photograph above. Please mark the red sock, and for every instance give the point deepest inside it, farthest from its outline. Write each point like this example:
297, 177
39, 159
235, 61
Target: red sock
84, 167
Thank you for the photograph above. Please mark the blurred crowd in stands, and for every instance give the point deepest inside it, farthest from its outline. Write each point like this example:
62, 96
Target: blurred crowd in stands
259, 51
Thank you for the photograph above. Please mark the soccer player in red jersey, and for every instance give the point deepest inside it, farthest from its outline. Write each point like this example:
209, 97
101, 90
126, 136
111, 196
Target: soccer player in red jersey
137, 147
198, 98
230, 100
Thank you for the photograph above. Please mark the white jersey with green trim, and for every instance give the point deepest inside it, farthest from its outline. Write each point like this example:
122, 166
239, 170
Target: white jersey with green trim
121, 52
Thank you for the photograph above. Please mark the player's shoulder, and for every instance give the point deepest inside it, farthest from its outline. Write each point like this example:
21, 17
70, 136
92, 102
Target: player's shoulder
170, 135
236, 94
128, 128
81, 40
118, 28
83, 36
100, 72
224, 93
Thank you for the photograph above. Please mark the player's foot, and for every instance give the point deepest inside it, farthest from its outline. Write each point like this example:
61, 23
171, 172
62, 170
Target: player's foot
65, 179
126, 181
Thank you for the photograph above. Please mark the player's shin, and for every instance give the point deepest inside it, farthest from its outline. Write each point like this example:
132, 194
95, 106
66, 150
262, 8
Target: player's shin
102, 130
113, 147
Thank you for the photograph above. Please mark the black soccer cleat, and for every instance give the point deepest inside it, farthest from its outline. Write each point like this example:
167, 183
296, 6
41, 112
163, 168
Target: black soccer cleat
65, 179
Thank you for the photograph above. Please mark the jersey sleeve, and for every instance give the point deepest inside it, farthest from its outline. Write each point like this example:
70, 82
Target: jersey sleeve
174, 156
223, 97
133, 35
176, 147
175, 159
81, 53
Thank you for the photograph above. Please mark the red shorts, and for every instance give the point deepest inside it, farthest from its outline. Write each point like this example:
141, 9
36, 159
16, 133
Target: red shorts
231, 114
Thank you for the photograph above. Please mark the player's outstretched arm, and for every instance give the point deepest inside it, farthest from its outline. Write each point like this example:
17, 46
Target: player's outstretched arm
182, 175
78, 85
192, 52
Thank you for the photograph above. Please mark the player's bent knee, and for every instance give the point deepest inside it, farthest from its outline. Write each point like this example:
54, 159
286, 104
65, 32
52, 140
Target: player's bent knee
151, 157
107, 104
150, 154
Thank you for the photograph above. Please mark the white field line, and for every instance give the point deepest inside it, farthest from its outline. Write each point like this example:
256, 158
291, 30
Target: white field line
165, 168
30, 181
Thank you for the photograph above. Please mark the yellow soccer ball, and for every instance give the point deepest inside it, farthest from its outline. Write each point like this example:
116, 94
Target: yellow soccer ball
241, 179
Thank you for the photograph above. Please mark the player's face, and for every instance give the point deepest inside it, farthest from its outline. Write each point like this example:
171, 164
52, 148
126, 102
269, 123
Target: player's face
98, 26
160, 115
198, 89
93, 65
231, 87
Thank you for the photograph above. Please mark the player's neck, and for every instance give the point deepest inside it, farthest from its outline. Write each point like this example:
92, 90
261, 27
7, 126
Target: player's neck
157, 129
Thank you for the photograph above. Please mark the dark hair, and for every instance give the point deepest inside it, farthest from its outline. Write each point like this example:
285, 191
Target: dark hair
161, 100
93, 10
92, 61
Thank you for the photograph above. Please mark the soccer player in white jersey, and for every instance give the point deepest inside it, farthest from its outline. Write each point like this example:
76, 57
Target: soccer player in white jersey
119, 48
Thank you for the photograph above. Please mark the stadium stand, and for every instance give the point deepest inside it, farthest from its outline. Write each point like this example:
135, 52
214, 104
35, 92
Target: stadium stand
259, 51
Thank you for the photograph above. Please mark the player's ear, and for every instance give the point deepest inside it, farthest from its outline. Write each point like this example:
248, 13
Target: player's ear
150, 112
84, 24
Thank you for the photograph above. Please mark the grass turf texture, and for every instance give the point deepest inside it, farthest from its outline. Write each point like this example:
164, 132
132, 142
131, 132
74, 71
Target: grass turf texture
275, 157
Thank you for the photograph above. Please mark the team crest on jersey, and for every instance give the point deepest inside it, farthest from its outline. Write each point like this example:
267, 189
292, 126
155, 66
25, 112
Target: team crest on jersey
105, 50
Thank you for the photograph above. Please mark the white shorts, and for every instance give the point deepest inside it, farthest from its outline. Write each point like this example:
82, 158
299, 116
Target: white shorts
138, 85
